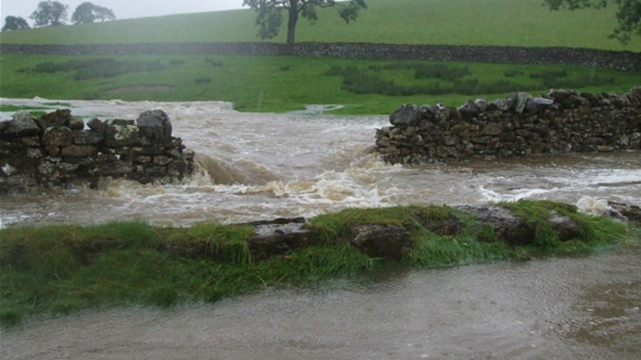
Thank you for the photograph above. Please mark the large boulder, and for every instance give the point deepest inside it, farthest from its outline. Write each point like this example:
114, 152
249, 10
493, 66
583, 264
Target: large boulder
155, 127
508, 228
279, 236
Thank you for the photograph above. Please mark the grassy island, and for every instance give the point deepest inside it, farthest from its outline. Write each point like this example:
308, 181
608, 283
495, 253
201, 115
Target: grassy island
59, 269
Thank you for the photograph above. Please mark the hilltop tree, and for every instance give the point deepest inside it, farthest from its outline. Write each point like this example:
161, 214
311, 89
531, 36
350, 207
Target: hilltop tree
270, 13
14, 23
50, 13
628, 15
88, 13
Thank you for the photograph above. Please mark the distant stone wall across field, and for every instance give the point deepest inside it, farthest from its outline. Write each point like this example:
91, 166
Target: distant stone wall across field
520, 125
56, 150
622, 60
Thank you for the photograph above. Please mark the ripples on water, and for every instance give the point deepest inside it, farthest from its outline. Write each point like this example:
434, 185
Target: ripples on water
261, 166
572, 308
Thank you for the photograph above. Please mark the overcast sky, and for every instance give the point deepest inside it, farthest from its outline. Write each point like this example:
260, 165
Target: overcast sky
124, 9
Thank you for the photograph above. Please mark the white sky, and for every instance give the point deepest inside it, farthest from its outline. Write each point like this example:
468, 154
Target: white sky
124, 9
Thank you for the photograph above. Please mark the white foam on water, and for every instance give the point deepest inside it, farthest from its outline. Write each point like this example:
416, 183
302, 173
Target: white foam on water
260, 166
593, 206
514, 195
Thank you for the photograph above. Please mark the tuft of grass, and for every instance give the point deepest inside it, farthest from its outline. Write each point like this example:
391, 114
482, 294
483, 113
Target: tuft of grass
214, 63
202, 80
513, 72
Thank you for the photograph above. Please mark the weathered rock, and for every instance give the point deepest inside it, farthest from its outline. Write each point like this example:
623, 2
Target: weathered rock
161, 160
276, 238
35, 153
631, 213
562, 97
534, 105
564, 227
4, 125
406, 115
522, 99
115, 168
508, 228
76, 124
481, 104
469, 109
121, 135
382, 241
22, 124
87, 137
119, 122
155, 127
59, 117
58, 136
79, 151
156, 170
97, 125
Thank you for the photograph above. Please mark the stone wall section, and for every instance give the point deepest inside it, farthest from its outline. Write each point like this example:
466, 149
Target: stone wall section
622, 60
56, 150
520, 125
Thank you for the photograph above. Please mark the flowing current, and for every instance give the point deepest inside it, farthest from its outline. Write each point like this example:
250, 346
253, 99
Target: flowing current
262, 166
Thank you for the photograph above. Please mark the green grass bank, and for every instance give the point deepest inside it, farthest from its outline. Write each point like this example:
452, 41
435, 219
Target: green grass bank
60, 269
280, 84
452, 22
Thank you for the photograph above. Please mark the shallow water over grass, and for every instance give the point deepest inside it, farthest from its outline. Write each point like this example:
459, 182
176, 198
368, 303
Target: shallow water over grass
262, 166
579, 307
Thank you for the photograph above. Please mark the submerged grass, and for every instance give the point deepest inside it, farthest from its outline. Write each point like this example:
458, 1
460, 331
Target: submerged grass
61, 269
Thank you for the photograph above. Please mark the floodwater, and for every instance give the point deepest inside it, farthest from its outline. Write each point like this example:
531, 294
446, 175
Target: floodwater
262, 166
559, 308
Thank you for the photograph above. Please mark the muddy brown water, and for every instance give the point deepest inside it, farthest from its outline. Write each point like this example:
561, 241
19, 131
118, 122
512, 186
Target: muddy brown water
261, 166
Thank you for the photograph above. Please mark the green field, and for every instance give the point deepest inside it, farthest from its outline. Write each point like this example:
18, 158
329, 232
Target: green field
454, 22
279, 84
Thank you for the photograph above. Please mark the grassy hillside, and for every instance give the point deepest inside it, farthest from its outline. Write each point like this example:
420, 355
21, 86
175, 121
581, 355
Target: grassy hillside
458, 22
277, 84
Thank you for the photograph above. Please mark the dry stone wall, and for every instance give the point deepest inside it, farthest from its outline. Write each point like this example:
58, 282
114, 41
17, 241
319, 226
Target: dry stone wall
56, 150
520, 125
622, 60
